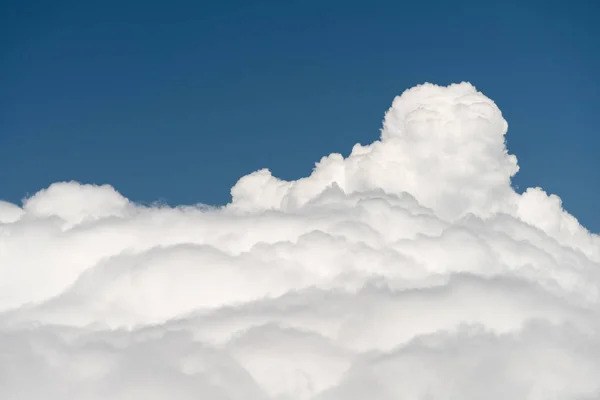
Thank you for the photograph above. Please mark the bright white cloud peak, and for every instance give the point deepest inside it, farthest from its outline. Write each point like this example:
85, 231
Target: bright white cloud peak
408, 270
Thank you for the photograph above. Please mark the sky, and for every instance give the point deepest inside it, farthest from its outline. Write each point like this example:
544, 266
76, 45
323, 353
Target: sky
400, 202
174, 101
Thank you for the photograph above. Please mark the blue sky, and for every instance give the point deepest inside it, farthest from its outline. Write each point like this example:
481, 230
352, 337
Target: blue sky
175, 101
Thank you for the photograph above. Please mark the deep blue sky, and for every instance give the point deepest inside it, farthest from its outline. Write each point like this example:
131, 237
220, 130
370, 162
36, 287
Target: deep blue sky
176, 100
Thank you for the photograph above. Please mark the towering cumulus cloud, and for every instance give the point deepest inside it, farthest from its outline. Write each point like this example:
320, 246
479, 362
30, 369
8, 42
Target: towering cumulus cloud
408, 270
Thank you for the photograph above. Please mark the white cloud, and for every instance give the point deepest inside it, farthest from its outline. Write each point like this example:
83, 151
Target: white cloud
409, 269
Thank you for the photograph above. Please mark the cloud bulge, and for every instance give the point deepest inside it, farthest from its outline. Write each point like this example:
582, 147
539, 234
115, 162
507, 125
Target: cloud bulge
409, 269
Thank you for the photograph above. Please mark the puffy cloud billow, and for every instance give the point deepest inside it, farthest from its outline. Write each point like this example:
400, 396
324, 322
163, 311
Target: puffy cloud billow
408, 270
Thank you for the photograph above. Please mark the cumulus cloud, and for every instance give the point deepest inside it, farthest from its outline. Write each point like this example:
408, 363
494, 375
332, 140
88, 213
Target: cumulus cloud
409, 269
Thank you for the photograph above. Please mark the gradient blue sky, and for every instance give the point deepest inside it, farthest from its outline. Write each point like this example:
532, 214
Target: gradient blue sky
175, 100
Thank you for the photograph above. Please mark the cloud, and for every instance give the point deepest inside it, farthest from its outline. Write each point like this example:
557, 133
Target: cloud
408, 269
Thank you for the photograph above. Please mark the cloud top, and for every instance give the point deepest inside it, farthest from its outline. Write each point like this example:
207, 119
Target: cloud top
443, 145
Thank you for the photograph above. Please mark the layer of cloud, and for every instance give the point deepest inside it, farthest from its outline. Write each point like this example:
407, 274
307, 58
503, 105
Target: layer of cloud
409, 269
